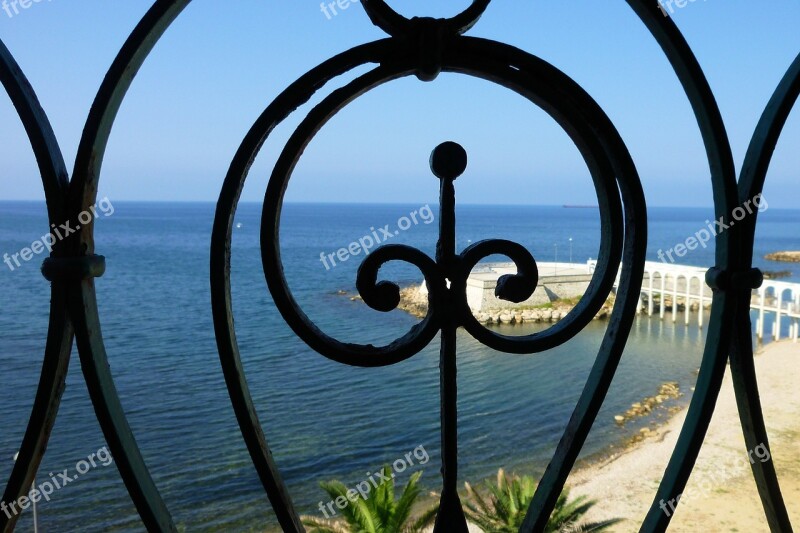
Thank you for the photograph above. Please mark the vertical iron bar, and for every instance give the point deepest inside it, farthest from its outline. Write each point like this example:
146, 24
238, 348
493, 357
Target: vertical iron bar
445, 256
446, 247
451, 516
448, 161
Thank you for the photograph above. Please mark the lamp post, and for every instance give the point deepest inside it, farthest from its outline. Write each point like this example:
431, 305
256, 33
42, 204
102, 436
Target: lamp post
556, 261
35, 521
570, 250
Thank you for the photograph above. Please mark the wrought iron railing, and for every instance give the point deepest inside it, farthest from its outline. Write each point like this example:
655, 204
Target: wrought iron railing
422, 47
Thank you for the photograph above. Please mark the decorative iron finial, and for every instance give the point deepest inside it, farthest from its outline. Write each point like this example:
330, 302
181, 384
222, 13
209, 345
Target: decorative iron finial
448, 160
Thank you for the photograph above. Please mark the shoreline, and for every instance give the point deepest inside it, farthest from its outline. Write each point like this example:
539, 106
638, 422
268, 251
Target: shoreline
721, 494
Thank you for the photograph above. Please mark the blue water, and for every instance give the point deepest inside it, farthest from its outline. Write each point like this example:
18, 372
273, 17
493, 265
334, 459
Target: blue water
323, 420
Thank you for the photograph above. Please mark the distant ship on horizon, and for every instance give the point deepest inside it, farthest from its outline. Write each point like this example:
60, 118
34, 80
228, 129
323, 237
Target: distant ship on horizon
580, 206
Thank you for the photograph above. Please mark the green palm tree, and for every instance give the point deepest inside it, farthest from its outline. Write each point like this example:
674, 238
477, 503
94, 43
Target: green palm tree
378, 512
509, 500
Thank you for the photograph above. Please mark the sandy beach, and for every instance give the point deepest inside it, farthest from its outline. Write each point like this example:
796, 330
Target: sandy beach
721, 494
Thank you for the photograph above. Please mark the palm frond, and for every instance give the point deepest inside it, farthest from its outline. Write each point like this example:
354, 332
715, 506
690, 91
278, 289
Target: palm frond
319, 525
378, 511
503, 508
426, 519
402, 509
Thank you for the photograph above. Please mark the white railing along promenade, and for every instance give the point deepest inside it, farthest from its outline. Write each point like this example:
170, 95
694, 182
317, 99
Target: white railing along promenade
688, 283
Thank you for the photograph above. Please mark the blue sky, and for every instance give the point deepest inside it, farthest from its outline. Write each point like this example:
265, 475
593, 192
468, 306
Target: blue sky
222, 62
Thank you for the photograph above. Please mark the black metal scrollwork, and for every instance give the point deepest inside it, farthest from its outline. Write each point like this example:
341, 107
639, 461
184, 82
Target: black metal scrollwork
413, 50
421, 47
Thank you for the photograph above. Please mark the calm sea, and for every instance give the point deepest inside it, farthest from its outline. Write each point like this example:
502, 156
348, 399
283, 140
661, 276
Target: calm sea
324, 420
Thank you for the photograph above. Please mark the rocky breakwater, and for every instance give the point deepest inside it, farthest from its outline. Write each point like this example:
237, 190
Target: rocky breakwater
415, 301
784, 257
667, 391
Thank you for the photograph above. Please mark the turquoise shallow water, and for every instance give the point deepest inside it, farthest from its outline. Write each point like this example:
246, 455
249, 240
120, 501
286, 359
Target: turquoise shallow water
324, 420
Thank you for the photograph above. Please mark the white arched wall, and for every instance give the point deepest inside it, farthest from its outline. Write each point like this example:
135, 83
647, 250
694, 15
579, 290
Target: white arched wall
773, 296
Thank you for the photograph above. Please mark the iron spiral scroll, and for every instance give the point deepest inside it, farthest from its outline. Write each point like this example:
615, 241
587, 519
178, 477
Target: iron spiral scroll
421, 47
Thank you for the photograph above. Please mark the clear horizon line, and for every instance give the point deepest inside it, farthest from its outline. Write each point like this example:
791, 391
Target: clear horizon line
466, 204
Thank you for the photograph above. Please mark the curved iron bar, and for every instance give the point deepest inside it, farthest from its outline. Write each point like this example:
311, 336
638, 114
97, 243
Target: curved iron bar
724, 303
586, 112
415, 340
368, 355
745, 382
385, 296
762, 146
55, 178
511, 287
58, 347
290, 99
395, 24
605, 183
82, 297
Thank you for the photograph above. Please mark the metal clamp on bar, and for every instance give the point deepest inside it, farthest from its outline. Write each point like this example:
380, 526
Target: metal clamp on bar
430, 35
724, 280
73, 268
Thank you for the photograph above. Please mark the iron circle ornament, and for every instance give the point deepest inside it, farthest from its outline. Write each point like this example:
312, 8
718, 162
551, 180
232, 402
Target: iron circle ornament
537, 83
